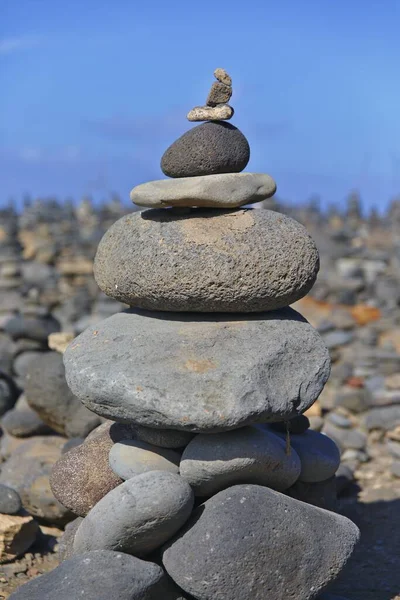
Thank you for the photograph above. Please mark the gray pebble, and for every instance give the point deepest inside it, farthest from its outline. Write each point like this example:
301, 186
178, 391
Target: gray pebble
214, 462
131, 457
10, 501
319, 455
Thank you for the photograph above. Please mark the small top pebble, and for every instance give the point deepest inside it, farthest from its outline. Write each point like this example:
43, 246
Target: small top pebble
223, 76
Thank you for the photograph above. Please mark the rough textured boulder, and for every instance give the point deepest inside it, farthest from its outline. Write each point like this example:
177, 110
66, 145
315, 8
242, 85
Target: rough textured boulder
207, 261
197, 373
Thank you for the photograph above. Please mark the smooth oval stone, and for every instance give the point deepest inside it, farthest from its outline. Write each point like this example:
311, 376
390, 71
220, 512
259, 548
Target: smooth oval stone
138, 516
165, 438
319, 455
196, 372
101, 575
211, 463
223, 112
10, 501
128, 458
251, 543
209, 148
209, 261
229, 190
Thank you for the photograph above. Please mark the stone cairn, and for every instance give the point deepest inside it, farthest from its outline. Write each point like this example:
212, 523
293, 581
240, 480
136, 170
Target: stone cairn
205, 380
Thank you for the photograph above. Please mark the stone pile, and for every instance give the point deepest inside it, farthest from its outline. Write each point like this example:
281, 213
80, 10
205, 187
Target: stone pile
191, 488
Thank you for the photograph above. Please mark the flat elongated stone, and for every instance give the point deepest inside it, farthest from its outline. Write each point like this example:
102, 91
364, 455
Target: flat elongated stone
206, 261
198, 372
229, 190
223, 112
212, 147
251, 543
211, 463
138, 516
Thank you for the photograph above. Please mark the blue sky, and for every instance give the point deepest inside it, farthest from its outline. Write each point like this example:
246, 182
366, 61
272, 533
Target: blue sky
93, 92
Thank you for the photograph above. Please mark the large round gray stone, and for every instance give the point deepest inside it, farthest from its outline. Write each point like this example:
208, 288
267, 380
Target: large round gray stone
131, 457
319, 455
251, 543
227, 190
101, 575
198, 372
208, 260
211, 463
138, 516
209, 148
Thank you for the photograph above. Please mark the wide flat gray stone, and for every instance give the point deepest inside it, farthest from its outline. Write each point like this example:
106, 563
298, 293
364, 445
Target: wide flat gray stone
227, 190
211, 463
251, 543
206, 260
138, 516
198, 373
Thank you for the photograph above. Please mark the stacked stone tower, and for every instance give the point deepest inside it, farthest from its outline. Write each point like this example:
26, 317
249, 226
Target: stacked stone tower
206, 378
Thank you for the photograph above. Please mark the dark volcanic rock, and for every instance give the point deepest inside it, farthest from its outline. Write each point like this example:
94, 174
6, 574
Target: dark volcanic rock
209, 148
208, 261
251, 543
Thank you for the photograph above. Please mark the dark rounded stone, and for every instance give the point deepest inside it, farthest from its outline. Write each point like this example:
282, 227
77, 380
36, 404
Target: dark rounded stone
210, 148
299, 424
8, 392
